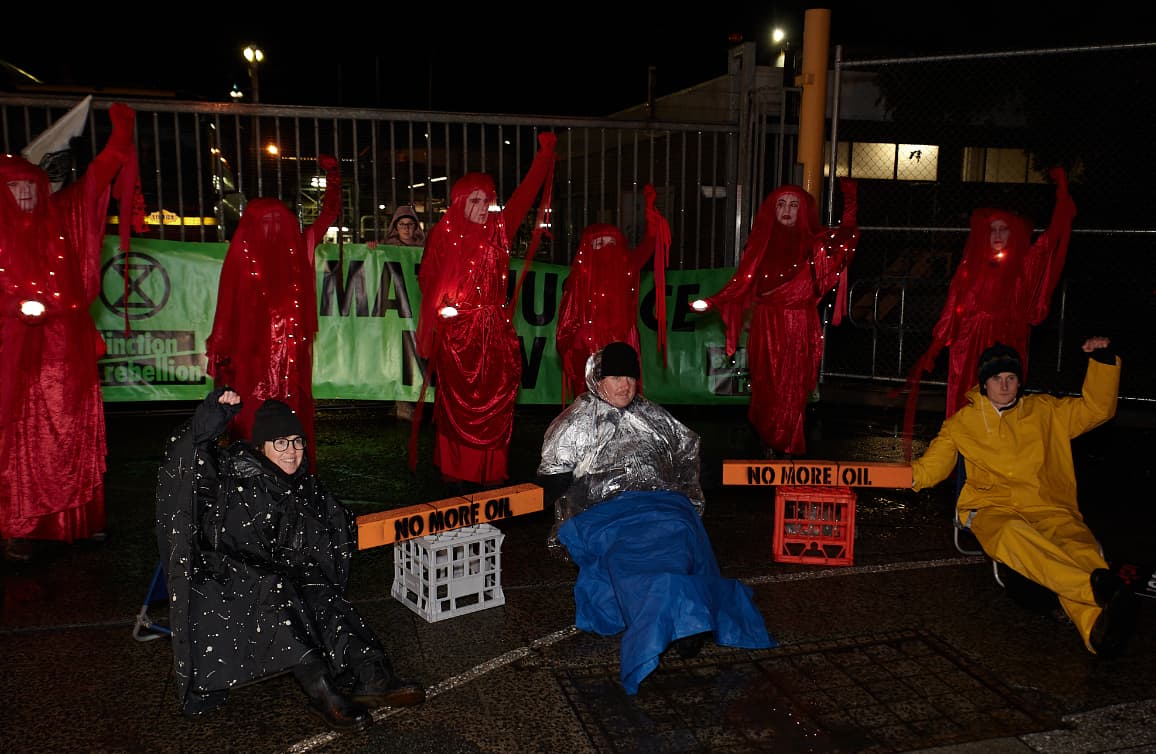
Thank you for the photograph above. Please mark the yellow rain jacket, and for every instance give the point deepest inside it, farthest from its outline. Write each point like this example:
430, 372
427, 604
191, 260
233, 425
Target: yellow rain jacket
1020, 490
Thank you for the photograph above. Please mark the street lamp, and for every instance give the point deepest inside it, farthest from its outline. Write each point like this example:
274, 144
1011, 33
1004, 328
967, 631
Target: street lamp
254, 56
777, 37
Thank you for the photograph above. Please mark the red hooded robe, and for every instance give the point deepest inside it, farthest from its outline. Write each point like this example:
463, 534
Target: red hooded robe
600, 297
995, 296
266, 318
52, 431
782, 276
475, 356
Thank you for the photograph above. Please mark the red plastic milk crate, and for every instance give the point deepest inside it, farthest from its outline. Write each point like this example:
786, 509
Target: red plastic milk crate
814, 525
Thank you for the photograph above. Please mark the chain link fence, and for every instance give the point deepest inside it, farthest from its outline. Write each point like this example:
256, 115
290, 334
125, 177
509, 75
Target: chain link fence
930, 139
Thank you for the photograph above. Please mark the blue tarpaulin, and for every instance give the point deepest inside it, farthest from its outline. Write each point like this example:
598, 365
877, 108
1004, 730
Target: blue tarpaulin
647, 568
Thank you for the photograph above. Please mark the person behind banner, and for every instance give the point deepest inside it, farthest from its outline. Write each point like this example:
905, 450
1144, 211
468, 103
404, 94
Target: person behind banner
1001, 289
623, 475
464, 327
405, 228
789, 264
52, 428
257, 553
1019, 493
265, 322
600, 296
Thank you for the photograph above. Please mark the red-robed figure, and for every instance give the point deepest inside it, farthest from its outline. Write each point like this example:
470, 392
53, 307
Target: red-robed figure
790, 262
1001, 289
266, 319
52, 432
600, 296
465, 330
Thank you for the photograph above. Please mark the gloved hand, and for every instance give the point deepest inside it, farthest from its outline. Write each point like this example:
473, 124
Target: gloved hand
650, 194
547, 140
1060, 177
326, 162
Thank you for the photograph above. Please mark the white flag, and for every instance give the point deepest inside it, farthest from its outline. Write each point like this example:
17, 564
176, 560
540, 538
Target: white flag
50, 150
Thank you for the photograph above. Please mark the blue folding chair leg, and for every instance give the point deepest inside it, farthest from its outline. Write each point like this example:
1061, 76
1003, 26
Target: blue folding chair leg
146, 629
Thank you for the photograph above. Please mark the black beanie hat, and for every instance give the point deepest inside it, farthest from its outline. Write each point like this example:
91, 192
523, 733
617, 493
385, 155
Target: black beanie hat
999, 358
275, 419
619, 360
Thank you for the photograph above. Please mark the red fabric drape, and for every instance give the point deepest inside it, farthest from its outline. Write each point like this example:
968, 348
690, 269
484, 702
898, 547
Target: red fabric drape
996, 294
600, 295
474, 358
784, 273
261, 344
52, 432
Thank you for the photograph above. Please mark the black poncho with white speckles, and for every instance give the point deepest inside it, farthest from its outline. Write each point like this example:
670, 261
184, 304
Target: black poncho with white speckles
256, 562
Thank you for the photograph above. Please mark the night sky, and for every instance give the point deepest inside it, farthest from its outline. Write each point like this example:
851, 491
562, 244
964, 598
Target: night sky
536, 59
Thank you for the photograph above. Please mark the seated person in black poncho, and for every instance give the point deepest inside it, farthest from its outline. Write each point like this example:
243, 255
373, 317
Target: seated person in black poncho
257, 554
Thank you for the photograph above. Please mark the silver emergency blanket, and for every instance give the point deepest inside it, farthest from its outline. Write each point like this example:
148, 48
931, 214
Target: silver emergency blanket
610, 450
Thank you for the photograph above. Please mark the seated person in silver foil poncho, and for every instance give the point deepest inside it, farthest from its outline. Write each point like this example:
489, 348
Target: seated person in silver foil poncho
624, 477
257, 553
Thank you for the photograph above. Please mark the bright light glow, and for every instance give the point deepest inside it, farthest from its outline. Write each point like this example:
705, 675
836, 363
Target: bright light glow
272, 149
778, 35
699, 305
253, 54
236, 93
439, 179
448, 311
31, 308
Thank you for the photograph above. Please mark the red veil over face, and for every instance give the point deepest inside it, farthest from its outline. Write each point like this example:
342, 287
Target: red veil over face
266, 316
599, 300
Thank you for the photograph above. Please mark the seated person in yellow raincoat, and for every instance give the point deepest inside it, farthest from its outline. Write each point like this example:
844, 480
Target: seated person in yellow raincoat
1019, 497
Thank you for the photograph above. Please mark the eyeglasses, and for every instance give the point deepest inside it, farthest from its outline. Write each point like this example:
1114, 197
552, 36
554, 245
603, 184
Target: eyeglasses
407, 224
281, 444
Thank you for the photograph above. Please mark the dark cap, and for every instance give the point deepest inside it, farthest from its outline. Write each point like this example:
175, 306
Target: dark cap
275, 419
619, 360
999, 358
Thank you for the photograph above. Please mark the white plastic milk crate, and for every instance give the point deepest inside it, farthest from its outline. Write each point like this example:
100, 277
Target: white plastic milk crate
450, 574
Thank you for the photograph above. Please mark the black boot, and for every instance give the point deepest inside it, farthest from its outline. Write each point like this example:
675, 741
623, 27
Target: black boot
377, 685
1117, 619
339, 712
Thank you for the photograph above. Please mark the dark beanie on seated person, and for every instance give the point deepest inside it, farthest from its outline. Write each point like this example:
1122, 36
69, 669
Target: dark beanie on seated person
997, 359
275, 419
619, 360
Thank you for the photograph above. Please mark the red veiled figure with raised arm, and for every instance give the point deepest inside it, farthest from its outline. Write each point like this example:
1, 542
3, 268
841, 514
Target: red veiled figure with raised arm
1001, 289
465, 329
790, 262
600, 296
52, 431
261, 344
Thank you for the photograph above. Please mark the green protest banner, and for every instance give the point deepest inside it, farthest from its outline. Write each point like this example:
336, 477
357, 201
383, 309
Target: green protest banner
157, 303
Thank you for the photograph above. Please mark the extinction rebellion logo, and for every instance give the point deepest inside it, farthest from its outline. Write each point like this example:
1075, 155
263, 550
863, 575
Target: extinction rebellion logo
135, 287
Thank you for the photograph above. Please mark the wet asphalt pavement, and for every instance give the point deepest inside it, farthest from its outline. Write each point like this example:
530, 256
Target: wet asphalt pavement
912, 646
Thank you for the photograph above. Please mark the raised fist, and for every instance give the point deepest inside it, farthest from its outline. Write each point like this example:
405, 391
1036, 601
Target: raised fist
327, 162
547, 140
650, 194
1060, 176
